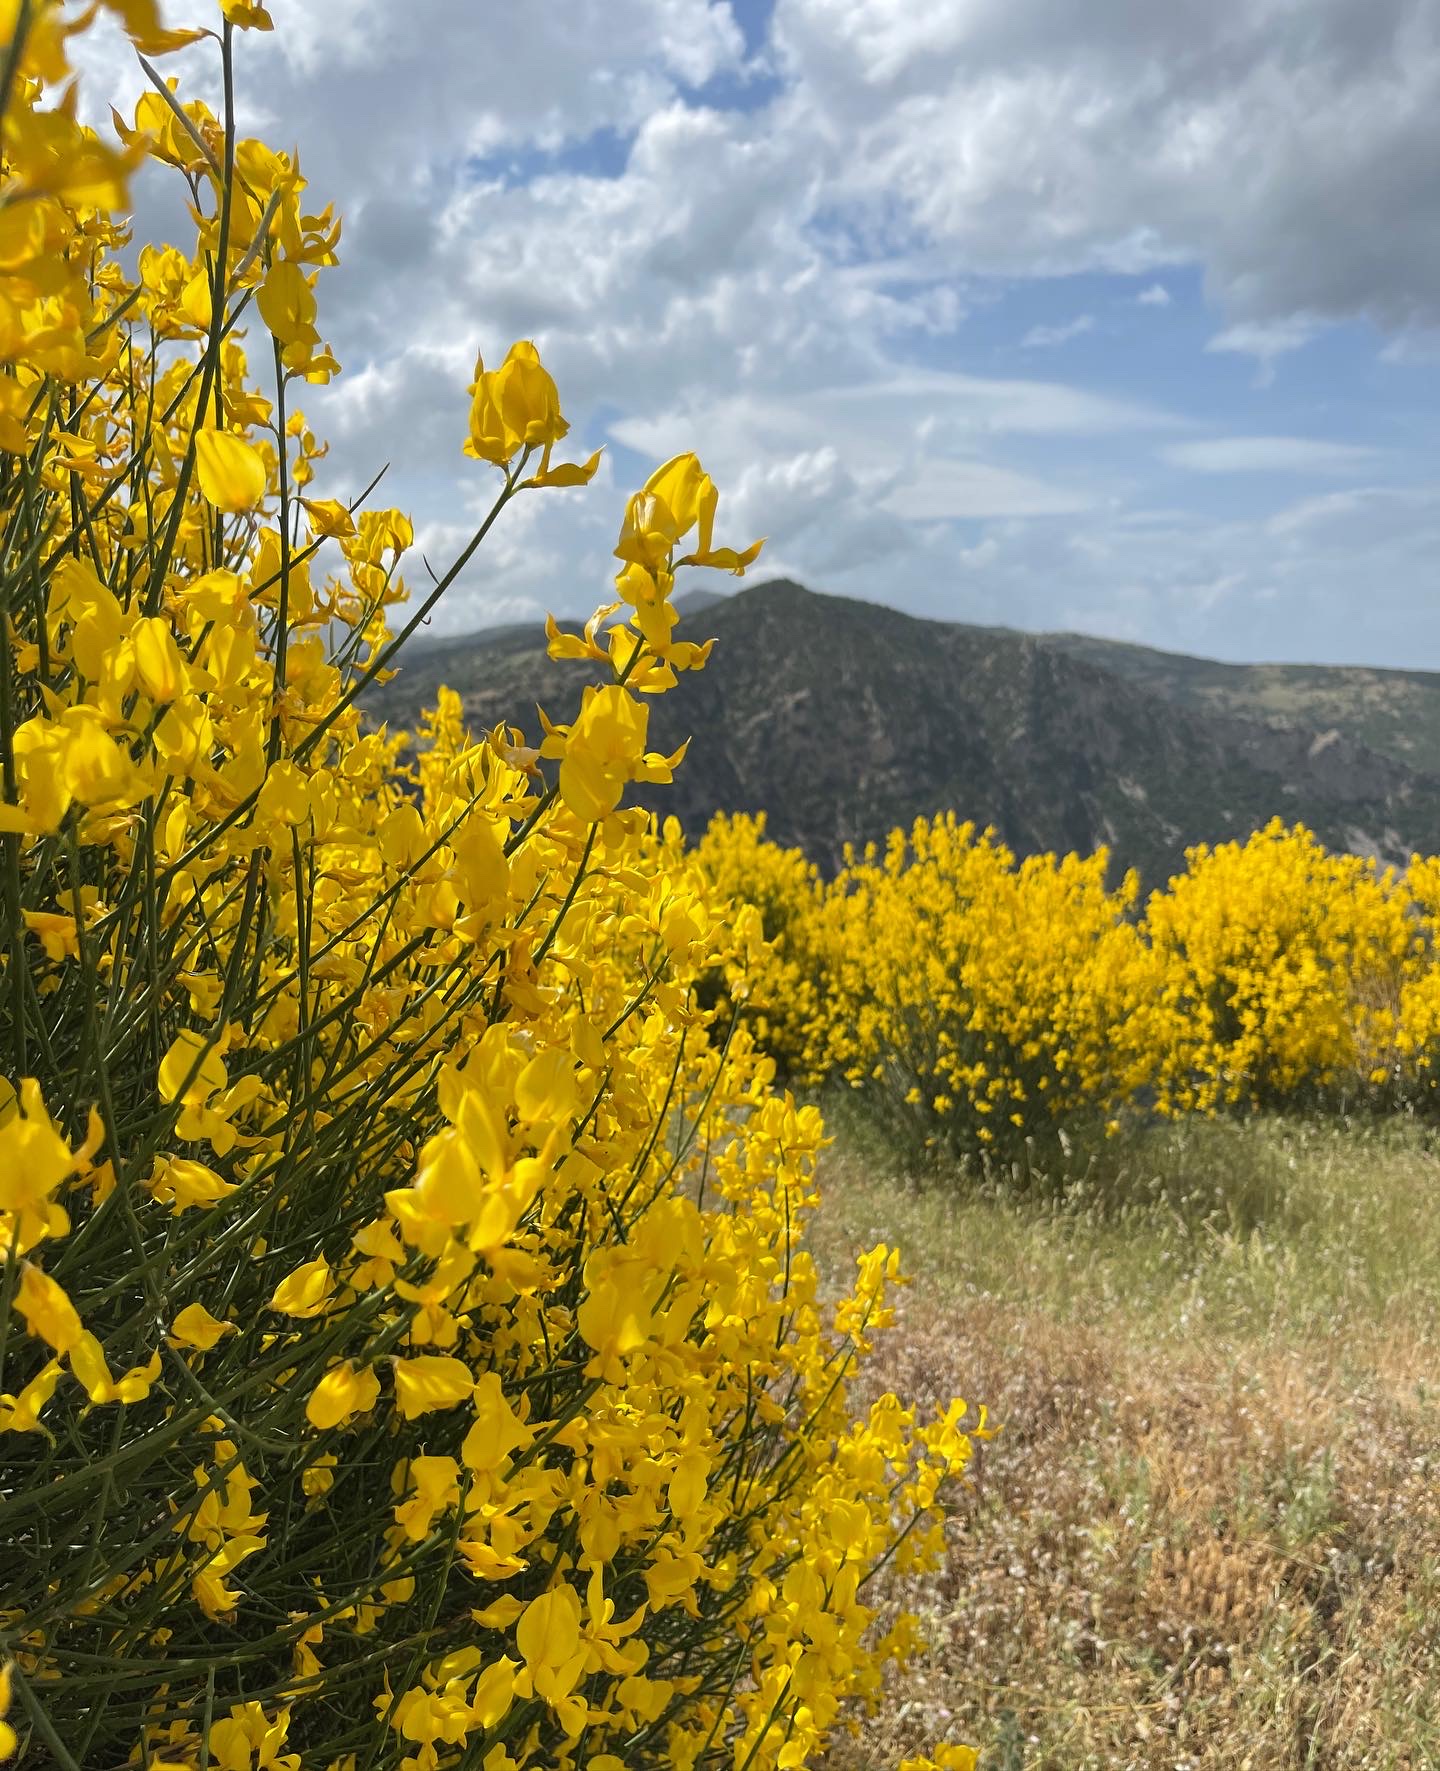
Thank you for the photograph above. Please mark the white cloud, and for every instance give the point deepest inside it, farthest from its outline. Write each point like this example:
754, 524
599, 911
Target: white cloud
1351, 510
1254, 339
1283, 146
889, 417
1267, 339
1249, 455
946, 489
1417, 345
787, 288
1233, 589
1046, 337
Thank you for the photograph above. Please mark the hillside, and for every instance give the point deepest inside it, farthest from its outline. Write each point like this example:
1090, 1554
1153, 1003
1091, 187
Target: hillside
1394, 711
842, 719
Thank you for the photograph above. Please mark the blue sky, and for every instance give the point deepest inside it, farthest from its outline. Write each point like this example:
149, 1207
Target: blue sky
1118, 317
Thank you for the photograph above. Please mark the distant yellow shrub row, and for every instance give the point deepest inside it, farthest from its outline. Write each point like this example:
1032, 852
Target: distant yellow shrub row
977, 1000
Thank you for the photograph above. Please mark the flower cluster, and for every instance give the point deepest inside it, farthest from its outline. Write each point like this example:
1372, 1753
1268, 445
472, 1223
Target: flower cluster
977, 1002
408, 1351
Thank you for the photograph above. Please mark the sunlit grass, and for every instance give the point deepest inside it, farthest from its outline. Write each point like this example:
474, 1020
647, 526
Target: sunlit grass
1209, 1534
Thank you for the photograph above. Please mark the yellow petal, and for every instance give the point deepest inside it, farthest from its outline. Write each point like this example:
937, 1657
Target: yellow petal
547, 1088
232, 471
568, 473
549, 1632
158, 665
196, 1327
431, 1381
306, 1291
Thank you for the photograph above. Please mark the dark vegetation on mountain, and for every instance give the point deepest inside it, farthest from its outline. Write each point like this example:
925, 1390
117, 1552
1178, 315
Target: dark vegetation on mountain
842, 719
1393, 711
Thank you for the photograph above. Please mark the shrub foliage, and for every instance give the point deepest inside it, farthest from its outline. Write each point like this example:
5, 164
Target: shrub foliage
408, 1353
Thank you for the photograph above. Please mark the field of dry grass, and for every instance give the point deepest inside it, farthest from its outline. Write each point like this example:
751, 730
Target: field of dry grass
1209, 1534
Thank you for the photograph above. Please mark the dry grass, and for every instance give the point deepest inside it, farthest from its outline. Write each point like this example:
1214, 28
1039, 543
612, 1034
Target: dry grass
1209, 1535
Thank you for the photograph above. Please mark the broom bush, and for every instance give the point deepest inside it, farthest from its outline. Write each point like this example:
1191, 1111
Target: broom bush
408, 1352
992, 1007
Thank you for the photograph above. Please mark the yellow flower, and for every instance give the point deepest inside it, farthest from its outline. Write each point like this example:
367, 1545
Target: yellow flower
435, 1484
319, 1477
87, 1362
159, 668
497, 1432
192, 1069
547, 1088
141, 20
514, 407
943, 1758
341, 1394
196, 1327
566, 473
184, 735
21, 1414
45, 791
34, 1160
548, 1637
613, 1319
247, 15
180, 1182
97, 770
330, 517
9, 1740
602, 751
286, 300
47, 1309
306, 1291
678, 497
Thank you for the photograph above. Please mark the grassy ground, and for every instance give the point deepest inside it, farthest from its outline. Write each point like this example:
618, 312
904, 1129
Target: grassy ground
1209, 1534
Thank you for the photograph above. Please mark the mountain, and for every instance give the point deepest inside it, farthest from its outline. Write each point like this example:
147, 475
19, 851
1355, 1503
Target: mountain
842, 719
1395, 711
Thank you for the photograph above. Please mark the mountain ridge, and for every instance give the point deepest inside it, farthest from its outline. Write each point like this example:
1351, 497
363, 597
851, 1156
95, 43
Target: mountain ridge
842, 719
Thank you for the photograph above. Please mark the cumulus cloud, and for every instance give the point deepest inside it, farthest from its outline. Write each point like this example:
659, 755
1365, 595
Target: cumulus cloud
1285, 147
776, 254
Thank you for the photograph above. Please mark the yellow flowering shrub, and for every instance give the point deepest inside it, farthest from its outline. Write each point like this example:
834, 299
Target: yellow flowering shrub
782, 988
408, 1353
1412, 1067
974, 1002
1285, 967
995, 1000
